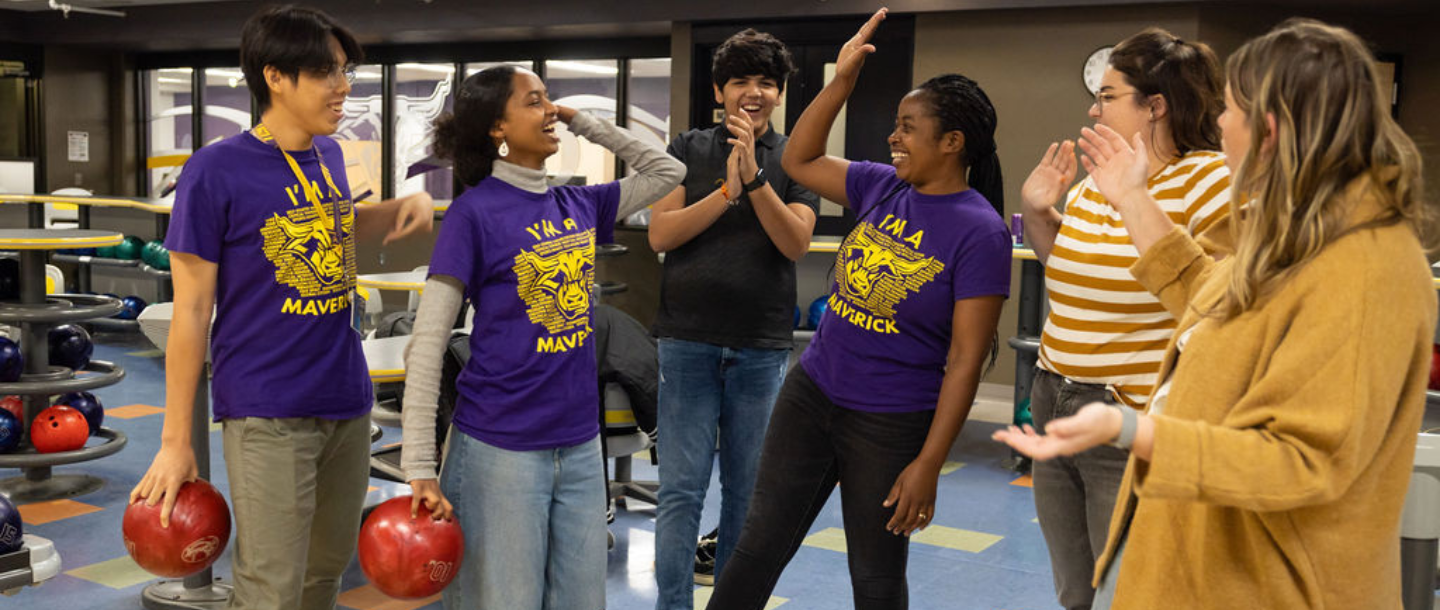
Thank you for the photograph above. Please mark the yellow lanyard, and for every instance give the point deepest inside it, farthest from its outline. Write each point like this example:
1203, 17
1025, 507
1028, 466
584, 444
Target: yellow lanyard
263, 134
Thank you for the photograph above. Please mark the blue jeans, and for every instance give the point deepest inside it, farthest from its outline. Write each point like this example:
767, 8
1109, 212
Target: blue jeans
534, 524
707, 391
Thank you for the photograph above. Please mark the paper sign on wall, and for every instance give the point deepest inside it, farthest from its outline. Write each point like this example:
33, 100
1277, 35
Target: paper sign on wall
79, 145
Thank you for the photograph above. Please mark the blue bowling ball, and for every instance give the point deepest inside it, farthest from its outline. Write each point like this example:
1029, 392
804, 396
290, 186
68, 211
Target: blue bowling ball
11, 431
88, 405
817, 310
131, 307
11, 531
12, 361
797, 316
70, 347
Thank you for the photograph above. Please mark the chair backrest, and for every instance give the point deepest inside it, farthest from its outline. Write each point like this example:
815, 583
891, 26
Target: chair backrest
374, 307
54, 280
65, 215
619, 417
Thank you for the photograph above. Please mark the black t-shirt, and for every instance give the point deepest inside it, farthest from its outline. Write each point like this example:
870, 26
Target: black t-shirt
730, 285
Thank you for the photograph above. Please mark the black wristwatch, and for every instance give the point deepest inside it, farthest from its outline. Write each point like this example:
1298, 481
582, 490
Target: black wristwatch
758, 182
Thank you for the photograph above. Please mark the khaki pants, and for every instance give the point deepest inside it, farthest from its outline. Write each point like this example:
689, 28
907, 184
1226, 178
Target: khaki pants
297, 486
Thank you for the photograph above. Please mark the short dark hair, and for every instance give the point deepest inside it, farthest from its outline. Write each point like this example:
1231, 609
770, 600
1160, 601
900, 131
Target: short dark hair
748, 53
464, 135
291, 38
1156, 62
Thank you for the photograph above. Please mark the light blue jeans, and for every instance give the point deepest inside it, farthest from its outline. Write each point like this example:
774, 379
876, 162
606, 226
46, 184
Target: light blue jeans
534, 525
707, 391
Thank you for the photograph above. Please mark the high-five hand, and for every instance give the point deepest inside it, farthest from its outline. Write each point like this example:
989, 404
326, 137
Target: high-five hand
852, 55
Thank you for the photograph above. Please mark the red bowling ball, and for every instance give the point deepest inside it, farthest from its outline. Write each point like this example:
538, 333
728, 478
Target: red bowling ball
59, 428
15, 405
199, 530
1435, 367
409, 558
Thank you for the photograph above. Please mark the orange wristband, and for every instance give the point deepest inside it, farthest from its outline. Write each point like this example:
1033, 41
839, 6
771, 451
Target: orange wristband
725, 191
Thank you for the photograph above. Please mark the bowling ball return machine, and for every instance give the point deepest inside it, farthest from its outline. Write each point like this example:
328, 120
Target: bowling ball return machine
35, 563
1420, 522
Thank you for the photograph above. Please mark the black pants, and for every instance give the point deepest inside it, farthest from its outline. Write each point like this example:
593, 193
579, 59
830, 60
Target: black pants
810, 446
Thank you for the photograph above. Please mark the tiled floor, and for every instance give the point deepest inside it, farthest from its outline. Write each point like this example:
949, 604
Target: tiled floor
983, 552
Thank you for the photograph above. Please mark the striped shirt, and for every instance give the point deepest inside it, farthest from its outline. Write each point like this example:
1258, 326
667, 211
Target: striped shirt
1104, 327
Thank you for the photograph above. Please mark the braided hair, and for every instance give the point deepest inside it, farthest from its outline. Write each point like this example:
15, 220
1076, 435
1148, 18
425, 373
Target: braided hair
961, 105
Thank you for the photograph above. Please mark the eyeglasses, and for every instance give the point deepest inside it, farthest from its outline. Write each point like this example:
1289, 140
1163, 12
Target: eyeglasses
338, 73
1105, 97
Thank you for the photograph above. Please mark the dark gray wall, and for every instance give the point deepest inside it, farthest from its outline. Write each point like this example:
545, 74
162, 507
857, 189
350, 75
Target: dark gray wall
1409, 34
77, 95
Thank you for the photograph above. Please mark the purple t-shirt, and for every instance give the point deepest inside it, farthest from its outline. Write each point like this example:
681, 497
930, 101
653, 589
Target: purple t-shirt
282, 344
885, 336
528, 264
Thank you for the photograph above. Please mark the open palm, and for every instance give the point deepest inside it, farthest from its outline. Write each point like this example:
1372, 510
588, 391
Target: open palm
852, 55
1049, 180
1118, 168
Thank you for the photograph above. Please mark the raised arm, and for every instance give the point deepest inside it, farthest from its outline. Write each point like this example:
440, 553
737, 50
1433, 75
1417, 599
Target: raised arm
656, 173
805, 160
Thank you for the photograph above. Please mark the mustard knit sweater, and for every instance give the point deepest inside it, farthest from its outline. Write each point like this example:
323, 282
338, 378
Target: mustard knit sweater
1282, 458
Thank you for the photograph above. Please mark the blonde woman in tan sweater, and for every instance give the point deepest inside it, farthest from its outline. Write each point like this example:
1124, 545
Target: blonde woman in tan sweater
1271, 466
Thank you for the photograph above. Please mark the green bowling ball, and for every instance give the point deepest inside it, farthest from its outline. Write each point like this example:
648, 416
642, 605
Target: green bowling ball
105, 252
155, 255
130, 249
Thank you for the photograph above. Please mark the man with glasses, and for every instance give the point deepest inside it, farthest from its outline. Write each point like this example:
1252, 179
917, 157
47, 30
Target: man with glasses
290, 383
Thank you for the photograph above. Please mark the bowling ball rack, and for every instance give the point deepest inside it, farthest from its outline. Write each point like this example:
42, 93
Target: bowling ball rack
133, 265
35, 314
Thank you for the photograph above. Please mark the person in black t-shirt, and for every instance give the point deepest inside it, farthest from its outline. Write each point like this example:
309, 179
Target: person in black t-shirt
731, 234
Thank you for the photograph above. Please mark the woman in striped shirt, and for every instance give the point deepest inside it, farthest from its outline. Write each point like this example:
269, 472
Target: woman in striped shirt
1105, 334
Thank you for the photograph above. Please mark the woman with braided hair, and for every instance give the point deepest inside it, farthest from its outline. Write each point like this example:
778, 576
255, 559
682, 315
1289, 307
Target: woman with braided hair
880, 394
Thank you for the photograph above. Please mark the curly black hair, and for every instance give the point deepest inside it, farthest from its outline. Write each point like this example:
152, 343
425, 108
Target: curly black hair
748, 53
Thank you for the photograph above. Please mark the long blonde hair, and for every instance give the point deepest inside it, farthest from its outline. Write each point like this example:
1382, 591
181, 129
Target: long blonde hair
1333, 128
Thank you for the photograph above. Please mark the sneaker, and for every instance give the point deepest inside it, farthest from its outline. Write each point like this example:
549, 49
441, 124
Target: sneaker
705, 559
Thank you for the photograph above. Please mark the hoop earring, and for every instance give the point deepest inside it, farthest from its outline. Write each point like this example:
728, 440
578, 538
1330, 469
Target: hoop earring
504, 149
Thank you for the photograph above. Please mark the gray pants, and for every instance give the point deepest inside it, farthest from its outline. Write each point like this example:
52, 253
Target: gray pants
1074, 496
297, 486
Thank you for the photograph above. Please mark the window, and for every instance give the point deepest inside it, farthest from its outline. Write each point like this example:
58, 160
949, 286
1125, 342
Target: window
422, 92
168, 129
360, 133
590, 86
227, 104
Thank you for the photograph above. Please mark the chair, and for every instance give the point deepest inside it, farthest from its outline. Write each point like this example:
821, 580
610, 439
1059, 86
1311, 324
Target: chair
385, 461
374, 306
621, 438
65, 215
54, 280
